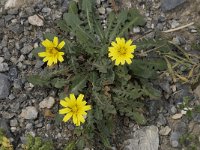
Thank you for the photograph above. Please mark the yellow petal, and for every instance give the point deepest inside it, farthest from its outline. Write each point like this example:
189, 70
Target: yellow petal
55, 60
67, 117
129, 42
117, 62
64, 111
75, 119
72, 97
80, 98
48, 44
118, 40
61, 45
42, 54
123, 62
128, 61
60, 58
45, 59
67, 99
55, 41
61, 53
87, 107
114, 44
63, 103
81, 118
50, 62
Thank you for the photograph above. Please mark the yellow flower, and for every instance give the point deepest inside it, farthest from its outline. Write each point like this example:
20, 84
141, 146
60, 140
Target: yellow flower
121, 51
74, 108
52, 54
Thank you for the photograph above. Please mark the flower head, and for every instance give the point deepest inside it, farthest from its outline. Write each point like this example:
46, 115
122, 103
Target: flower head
74, 108
52, 54
121, 51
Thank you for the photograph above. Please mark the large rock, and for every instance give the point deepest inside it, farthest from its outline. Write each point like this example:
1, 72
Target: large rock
167, 5
29, 112
146, 138
4, 86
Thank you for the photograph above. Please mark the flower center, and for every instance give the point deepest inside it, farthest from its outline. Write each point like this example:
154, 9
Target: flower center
53, 51
122, 50
75, 109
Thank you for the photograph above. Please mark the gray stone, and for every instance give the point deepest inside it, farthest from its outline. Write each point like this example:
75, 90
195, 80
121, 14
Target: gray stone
13, 123
146, 138
16, 28
2, 23
167, 5
165, 86
9, 17
4, 125
26, 49
4, 86
29, 112
46, 10
174, 24
136, 29
4, 67
13, 73
17, 84
161, 120
13, 11
174, 139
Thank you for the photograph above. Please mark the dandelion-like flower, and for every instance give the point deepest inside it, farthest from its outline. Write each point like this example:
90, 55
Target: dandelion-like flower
52, 54
121, 51
74, 108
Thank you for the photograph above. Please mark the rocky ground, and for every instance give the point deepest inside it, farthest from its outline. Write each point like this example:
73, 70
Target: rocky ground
28, 109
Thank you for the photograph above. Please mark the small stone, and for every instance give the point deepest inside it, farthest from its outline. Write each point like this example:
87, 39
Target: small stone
13, 3
2, 23
70, 127
46, 10
13, 123
4, 86
13, 11
173, 109
29, 112
16, 28
13, 73
29, 126
11, 97
197, 91
165, 131
102, 10
17, 84
174, 138
26, 49
174, 24
161, 120
35, 20
47, 103
136, 29
167, 5
4, 67
177, 116
176, 41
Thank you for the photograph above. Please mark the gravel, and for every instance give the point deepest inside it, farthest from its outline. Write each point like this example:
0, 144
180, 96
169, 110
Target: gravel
167, 5
4, 86
29, 112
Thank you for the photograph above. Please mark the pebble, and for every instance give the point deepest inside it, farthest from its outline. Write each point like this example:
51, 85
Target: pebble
136, 29
165, 131
35, 20
168, 5
102, 10
29, 112
174, 24
13, 123
47, 103
4, 86
177, 116
26, 49
174, 139
13, 73
4, 67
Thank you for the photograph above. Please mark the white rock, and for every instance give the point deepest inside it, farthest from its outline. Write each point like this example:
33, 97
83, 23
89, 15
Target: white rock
47, 102
29, 112
13, 3
102, 10
146, 138
165, 131
4, 67
177, 116
35, 20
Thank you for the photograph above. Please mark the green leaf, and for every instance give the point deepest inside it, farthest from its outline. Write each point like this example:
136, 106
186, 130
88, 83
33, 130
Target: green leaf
49, 36
39, 80
59, 82
149, 90
111, 20
70, 146
73, 7
139, 118
121, 18
62, 25
147, 68
80, 143
78, 83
